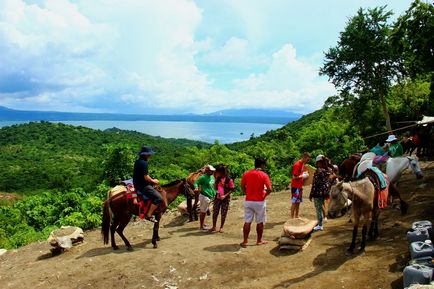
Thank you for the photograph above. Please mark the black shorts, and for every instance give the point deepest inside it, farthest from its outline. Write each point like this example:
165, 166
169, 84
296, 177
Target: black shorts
151, 193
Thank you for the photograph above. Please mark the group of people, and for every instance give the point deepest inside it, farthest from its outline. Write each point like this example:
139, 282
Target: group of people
216, 186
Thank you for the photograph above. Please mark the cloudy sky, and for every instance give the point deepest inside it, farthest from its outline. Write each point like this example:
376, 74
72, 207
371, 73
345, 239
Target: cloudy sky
169, 56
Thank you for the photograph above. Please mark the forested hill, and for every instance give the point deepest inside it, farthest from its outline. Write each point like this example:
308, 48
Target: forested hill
43, 155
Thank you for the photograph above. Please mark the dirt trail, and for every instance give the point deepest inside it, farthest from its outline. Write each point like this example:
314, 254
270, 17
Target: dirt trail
188, 258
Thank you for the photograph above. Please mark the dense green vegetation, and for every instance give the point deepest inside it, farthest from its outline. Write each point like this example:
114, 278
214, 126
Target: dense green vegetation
63, 172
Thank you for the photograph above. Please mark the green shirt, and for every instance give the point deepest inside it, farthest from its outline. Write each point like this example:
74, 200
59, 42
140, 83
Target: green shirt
395, 150
206, 184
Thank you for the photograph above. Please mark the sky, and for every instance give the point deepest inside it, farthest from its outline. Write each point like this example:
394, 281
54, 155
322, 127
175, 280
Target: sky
170, 56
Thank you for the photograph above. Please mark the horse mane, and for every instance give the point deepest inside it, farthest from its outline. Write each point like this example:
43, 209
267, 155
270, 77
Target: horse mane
175, 182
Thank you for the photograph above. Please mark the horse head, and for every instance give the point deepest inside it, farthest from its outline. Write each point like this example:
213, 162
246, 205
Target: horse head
413, 163
338, 199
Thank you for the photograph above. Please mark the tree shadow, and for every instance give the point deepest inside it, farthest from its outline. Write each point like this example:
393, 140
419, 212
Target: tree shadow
330, 260
223, 248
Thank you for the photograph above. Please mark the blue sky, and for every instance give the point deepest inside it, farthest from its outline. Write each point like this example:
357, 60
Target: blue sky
169, 56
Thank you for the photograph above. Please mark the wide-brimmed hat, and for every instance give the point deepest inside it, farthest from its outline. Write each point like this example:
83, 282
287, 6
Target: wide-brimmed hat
146, 151
391, 138
209, 168
319, 158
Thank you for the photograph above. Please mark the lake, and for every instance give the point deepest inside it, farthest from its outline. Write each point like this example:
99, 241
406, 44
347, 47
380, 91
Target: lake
203, 131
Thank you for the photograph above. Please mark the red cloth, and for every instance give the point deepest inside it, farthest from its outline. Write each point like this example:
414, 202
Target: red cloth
255, 182
297, 170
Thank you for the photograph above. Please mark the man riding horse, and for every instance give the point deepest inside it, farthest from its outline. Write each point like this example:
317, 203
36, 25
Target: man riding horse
144, 184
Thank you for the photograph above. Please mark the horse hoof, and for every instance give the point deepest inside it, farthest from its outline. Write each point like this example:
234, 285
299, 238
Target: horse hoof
350, 251
115, 248
158, 239
129, 248
362, 252
155, 246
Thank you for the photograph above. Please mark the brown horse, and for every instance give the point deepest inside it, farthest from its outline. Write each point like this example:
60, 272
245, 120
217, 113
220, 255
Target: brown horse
365, 200
192, 208
118, 210
346, 171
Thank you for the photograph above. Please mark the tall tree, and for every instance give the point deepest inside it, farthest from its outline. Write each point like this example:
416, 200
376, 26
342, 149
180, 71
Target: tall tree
413, 38
363, 64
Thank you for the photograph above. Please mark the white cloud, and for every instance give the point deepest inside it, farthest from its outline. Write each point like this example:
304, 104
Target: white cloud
101, 55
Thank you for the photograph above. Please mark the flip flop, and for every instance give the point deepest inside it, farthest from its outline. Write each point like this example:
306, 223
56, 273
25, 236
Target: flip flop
262, 243
243, 245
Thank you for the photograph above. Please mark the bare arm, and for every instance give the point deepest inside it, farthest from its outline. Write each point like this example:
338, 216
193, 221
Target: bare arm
151, 180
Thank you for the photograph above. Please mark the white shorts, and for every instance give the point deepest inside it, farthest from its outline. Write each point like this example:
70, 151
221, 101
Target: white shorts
252, 209
204, 203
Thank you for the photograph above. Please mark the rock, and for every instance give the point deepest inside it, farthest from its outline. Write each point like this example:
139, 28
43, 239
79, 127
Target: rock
3, 251
65, 237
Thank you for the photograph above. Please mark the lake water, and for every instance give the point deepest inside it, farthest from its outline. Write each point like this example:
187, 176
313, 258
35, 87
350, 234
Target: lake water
202, 131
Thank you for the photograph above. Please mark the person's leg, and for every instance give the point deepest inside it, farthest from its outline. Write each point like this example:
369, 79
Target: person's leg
325, 208
204, 202
248, 218
292, 211
318, 208
297, 208
215, 212
293, 202
260, 220
156, 200
225, 209
246, 232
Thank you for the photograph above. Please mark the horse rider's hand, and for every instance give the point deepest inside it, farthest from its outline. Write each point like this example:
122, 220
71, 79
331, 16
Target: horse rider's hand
156, 181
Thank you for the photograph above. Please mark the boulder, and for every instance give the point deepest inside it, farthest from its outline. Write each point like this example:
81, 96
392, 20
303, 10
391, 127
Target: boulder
65, 237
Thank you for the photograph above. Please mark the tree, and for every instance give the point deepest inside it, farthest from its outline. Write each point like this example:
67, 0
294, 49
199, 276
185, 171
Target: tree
363, 64
413, 38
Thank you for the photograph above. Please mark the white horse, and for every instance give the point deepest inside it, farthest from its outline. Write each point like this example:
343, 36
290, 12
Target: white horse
394, 166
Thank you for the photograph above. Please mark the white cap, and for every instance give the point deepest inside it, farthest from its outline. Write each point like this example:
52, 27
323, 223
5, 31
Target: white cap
209, 168
319, 158
391, 138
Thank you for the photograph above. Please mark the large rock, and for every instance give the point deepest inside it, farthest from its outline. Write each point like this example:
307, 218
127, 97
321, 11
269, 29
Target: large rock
65, 237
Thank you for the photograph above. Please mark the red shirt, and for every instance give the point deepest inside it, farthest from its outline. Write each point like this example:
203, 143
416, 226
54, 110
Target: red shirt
255, 181
297, 170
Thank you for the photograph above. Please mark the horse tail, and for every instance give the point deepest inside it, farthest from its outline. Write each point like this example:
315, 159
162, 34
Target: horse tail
106, 219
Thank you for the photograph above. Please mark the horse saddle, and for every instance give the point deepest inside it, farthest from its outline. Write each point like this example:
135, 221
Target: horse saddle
381, 185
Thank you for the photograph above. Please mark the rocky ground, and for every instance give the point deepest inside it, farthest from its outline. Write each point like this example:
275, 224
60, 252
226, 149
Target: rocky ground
188, 258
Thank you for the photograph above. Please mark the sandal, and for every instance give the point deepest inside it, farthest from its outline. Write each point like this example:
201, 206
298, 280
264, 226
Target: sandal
151, 219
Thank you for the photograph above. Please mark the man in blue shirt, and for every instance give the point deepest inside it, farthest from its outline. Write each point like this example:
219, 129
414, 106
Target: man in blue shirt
144, 184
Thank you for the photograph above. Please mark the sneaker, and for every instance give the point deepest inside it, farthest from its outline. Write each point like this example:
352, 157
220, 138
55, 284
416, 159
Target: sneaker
318, 228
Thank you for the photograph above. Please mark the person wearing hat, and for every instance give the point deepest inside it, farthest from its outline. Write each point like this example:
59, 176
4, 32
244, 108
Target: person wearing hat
393, 147
205, 186
144, 184
320, 189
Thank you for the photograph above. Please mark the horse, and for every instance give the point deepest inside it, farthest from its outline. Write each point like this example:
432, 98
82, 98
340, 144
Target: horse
394, 167
118, 210
365, 200
192, 208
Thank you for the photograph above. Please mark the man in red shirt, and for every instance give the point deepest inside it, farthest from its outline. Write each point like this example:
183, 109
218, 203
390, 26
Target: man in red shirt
256, 185
298, 177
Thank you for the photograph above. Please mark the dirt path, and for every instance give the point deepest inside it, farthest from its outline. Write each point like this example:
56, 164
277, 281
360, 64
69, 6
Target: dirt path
187, 258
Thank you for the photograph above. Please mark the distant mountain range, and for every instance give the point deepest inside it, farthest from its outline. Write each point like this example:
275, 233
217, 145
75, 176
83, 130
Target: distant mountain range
230, 115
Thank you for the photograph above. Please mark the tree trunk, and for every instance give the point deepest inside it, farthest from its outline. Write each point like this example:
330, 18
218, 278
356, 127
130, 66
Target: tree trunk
386, 113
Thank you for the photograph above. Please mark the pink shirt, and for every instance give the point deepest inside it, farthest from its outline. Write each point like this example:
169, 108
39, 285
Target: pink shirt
221, 186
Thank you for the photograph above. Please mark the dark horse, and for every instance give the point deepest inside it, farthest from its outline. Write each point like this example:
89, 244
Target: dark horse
118, 210
192, 207
346, 171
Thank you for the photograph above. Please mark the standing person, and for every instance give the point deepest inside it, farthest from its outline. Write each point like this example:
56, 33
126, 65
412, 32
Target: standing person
320, 189
205, 186
224, 187
144, 184
256, 185
298, 177
333, 181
